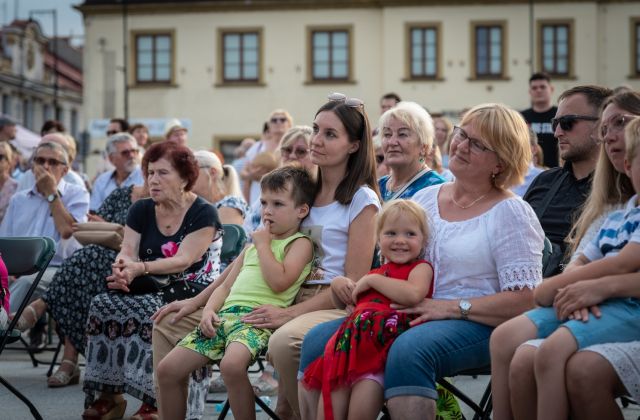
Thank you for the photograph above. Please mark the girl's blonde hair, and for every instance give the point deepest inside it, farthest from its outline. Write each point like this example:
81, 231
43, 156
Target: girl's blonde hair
227, 179
609, 187
396, 207
632, 139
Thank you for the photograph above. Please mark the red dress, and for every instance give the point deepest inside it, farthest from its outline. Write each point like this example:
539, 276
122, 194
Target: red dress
360, 345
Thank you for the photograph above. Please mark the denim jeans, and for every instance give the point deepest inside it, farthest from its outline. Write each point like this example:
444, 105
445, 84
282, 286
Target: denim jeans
419, 356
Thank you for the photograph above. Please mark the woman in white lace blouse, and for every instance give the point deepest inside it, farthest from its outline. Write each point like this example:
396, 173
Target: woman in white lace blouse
486, 248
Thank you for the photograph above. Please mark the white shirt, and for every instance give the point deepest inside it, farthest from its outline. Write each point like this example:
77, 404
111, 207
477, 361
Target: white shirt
328, 227
499, 250
105, 183
29, 214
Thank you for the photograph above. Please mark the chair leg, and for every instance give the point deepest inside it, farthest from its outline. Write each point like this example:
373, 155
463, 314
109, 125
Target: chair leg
225, 410
34, 361
268, 411
34, 411
54, 360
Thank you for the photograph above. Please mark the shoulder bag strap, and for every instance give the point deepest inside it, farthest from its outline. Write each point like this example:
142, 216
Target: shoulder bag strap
408, 184
550, 194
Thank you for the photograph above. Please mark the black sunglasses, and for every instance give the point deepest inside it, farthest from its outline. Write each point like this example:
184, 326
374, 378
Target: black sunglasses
567, 122
379, 159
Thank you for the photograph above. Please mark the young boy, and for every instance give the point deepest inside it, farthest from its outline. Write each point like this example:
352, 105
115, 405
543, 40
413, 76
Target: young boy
615, 250
268, 272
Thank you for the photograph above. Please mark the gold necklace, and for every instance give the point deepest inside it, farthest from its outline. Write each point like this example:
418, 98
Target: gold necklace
472, 203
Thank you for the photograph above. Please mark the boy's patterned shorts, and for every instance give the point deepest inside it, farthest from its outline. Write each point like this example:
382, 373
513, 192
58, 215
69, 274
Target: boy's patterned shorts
231, 329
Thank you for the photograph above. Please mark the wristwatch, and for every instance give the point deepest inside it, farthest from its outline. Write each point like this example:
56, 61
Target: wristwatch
465, 307
52, 197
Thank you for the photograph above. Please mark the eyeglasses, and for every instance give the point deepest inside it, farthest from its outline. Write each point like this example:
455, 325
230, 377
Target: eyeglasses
50, 161
475, 145
280, 120
350, 102
112, 132
379, 159
3, 157
300, 153
129, 152
615, 125
567, 122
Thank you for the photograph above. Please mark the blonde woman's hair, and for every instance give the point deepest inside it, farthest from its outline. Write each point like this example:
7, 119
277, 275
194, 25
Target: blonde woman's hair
399, 206
507, 134
415, 117
632, 139
4, 146
436, 159
227, 179
608, 187
294, 133
283, 112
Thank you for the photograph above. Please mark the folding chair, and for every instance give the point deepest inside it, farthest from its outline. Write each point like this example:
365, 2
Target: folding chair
233, 241
24, 256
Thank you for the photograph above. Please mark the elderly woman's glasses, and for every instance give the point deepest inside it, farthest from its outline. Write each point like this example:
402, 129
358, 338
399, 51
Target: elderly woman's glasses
475, 145
52, 162
350, 102
615, 125
276, 120
298, 152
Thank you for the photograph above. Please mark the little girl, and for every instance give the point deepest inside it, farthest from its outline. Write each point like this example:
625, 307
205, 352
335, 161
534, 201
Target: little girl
351, 370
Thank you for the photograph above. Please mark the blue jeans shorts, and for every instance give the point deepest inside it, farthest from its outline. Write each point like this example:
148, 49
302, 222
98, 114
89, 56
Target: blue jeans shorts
419, 356
620, 322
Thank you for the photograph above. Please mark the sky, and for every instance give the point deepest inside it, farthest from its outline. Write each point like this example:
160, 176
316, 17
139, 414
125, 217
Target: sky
69, 19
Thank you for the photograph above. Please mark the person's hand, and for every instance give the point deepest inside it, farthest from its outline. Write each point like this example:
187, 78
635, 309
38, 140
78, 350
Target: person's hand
209, 323
426, 310
267, 316
94, 218
122, 274
181, 308
580, 295
45, 181
262, 235
582, 314
342, 287
362, 286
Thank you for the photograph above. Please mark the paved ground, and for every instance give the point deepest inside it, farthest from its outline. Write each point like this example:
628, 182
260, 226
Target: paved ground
67, 403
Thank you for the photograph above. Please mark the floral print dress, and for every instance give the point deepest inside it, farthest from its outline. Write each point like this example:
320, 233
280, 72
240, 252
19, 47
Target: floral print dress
119, 350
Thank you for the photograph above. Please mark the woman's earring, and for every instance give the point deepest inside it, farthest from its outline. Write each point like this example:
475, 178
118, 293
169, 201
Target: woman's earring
421, 160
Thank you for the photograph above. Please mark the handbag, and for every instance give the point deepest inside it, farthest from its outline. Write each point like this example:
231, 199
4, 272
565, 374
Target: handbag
149, 283
105, 234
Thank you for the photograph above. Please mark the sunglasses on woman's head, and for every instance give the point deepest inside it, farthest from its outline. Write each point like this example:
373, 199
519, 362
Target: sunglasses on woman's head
350, 102
566, 122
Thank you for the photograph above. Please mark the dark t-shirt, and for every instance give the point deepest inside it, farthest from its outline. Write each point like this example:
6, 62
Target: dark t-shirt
565, 207
540, 122
155, 245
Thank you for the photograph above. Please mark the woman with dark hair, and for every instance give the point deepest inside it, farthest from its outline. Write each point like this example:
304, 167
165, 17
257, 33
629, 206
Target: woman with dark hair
174, 235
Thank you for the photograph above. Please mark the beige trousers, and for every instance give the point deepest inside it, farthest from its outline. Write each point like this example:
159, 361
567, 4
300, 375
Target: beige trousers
166, 335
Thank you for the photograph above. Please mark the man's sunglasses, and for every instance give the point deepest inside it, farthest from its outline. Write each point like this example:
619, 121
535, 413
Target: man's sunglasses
567, 122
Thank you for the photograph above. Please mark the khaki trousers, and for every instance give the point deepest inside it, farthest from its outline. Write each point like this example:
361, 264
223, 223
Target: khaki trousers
166, 335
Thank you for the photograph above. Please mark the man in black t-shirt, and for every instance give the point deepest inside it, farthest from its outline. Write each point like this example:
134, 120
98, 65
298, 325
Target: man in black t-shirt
557, 195
540, 114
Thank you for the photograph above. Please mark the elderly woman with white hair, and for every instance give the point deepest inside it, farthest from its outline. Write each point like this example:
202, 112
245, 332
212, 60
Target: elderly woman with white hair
218, 184
407, 135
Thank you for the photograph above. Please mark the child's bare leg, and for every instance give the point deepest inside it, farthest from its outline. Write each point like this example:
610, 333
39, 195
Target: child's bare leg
366, 400
339, 403
522, 383
505, 339
550, 364
173, 375
233, 368
308, 399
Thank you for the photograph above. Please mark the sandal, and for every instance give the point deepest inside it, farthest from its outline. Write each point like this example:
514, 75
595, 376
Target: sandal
105, 410
62, 378
23, 324
145, 412
262, 387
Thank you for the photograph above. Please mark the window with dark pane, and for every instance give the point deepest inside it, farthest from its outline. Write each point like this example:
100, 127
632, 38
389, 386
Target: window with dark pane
424, 52
555, 49
330, 55
241, 56
153, 58
488, 51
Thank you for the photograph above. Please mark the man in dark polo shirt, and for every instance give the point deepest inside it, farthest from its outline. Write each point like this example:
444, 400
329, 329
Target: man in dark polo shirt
557, 194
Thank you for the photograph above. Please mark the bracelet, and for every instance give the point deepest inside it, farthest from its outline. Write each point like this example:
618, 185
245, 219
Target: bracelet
146, 269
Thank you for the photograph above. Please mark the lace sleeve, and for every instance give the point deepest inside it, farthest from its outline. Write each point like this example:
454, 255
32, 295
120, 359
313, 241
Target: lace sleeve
517, 245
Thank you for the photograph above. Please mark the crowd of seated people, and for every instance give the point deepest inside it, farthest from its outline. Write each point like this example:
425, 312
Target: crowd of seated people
308, 282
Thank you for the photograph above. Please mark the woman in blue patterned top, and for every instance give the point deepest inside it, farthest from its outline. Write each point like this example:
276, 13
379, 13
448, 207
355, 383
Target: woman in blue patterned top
407, 138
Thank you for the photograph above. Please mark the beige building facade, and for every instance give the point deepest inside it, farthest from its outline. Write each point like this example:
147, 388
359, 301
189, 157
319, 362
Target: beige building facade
224, 65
